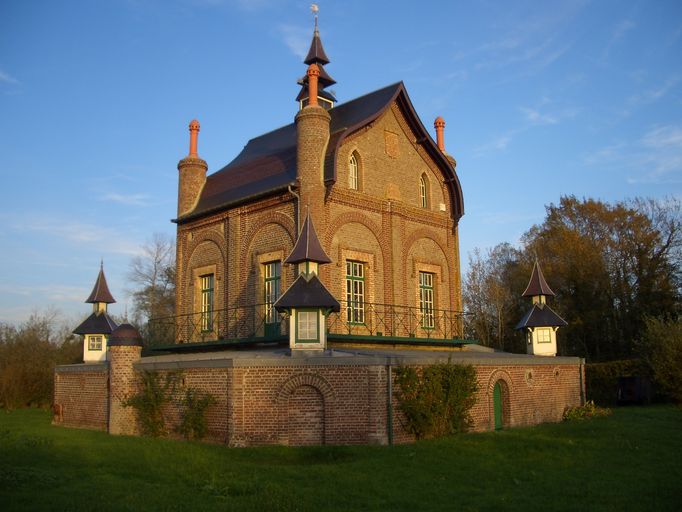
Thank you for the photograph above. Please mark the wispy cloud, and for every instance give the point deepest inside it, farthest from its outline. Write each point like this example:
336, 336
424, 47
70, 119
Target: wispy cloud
546, 113
7, 79
297, 38
499, 143
655, 93
618, 33
130, 199
655, 157
74, 231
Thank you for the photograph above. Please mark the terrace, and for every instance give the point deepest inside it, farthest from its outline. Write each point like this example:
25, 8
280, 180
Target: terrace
356, 323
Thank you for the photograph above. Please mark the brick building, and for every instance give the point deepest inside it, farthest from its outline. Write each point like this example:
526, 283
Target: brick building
383, 196
350, 216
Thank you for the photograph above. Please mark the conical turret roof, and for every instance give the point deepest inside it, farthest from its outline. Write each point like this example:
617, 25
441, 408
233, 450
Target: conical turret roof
316, 52
100, 292
308, 246
537, 284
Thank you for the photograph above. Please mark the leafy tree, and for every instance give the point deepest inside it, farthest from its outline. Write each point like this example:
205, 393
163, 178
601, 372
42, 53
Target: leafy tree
610, 265
661, 347
28, 355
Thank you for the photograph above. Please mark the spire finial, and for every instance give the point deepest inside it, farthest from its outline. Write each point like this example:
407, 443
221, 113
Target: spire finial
101, 263
314, 9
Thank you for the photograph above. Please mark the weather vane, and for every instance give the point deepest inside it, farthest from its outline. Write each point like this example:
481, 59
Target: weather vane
314, 9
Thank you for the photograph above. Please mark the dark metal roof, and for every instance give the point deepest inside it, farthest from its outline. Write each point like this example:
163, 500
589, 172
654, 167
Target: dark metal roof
541, 315
267, 164
96, 323
324, 80
308, 246
316, 52
307, 293
125, 335
537, 284
303, 93
100, 293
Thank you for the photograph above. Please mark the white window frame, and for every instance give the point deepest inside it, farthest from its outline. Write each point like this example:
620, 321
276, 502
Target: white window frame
355, 292
95, 343
353, 172
427, 299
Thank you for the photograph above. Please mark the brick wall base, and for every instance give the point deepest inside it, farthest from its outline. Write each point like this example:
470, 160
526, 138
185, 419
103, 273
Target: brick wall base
328, 400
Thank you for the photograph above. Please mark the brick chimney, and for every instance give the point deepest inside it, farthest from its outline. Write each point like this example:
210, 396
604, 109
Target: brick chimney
439, 125
192, 171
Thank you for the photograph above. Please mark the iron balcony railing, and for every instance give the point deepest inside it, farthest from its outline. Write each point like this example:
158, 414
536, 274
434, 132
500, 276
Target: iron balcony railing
354, 320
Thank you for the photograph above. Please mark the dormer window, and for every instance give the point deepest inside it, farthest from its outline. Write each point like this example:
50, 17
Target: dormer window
353, 172
423, 191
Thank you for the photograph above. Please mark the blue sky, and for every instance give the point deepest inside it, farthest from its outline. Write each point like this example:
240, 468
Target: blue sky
540, 99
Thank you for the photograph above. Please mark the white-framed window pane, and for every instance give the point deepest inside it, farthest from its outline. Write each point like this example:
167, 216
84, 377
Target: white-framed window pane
353, 172
422, 192
544, 335
95, 342
307, 325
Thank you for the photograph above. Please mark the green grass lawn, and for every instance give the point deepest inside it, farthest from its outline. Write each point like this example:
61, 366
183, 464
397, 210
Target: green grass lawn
631, 460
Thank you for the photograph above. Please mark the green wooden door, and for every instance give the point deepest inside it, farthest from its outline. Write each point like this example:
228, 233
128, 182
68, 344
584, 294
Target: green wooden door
497, 406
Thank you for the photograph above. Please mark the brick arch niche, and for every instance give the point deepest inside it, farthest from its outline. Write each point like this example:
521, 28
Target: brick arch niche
505, 381
305, 405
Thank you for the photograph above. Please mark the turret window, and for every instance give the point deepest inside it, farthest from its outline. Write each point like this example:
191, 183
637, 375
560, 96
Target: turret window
353, 173
544, 335
94, 342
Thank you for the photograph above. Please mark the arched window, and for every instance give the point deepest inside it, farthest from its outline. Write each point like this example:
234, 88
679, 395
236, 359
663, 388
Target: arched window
423, 191
353, 173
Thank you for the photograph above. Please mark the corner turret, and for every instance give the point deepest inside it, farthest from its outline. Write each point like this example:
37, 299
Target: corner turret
540, 322
99, 325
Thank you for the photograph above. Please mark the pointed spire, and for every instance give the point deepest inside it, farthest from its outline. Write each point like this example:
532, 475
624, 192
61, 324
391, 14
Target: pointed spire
100, 292
308, 246
537, 284
316, 55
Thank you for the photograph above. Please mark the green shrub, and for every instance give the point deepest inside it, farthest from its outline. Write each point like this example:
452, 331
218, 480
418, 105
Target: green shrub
436, 400
581, 412
602, 378
661, 346
148, 403
193, 413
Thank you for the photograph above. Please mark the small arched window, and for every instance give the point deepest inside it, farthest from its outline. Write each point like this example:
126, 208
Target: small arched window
423, 192
353, 173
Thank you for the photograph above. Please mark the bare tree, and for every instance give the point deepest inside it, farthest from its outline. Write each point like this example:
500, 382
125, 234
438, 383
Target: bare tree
153, 276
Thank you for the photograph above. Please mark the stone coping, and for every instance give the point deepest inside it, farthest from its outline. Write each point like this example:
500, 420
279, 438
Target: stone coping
82, 367
344, 357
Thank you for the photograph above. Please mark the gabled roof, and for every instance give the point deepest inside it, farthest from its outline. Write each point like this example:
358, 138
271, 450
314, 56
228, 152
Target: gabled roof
541, 315
267, 164
100, 293
307, 293
537, 284
96, 323
308, 246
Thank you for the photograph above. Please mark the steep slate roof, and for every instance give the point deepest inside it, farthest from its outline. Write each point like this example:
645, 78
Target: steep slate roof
100, 293
267, 164
307, 293
96, 323
537, 284
541, 315
308, 246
